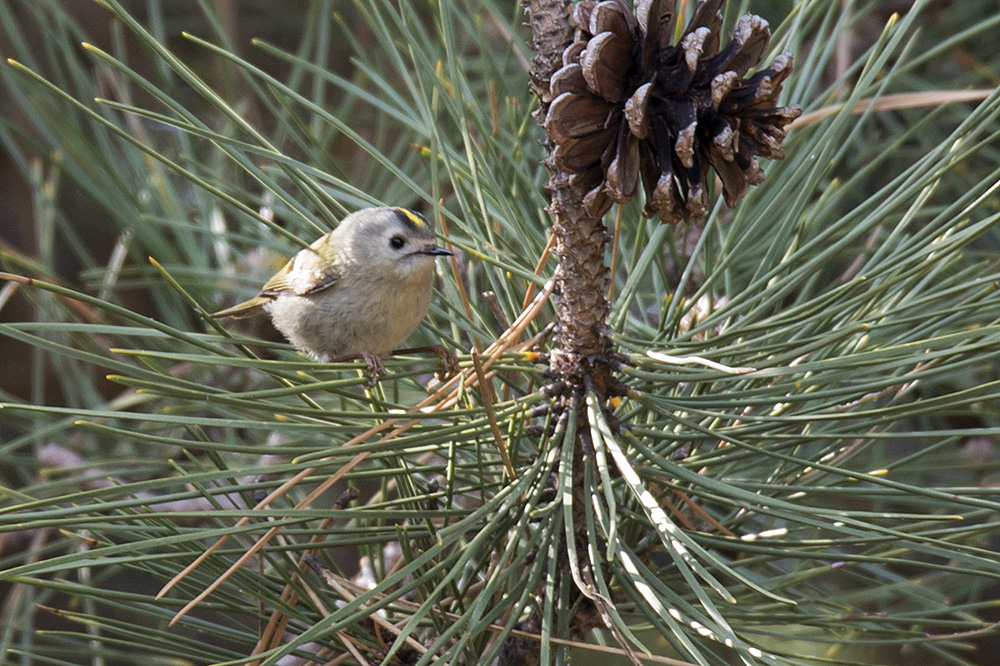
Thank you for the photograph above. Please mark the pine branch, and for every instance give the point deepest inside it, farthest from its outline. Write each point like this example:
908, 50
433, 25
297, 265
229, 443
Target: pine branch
582, 337
581, 356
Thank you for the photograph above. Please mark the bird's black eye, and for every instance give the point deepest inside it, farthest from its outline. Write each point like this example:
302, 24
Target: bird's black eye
397, 242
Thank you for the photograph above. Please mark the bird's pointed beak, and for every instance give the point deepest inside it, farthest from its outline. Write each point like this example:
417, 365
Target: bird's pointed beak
436, 250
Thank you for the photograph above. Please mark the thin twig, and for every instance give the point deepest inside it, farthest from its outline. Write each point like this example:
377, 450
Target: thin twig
542, 260
486, 391
894, 102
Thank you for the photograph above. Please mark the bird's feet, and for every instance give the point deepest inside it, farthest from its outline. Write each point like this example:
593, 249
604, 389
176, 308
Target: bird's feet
449, 362
374, 370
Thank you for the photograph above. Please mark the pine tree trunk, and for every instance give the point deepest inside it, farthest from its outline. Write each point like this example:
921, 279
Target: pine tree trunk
581, 355
582, 338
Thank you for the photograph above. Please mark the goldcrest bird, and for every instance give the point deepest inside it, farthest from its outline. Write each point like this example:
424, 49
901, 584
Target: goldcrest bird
360, 290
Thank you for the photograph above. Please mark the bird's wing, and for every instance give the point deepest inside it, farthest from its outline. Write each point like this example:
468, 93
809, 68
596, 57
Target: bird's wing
305, 273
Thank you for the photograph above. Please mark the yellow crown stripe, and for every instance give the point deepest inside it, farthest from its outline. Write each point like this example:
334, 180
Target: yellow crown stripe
417, 221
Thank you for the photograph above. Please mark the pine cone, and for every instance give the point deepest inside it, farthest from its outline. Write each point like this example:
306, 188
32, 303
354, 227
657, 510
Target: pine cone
629, 105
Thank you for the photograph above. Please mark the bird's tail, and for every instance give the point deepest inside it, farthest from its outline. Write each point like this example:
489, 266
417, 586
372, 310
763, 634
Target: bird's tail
245, 309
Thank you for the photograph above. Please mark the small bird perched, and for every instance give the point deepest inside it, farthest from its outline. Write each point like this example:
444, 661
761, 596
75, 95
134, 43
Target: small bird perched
360, 290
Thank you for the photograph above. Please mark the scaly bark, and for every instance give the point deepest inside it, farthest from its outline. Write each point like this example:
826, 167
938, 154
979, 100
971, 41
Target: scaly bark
582, 338
581, 355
